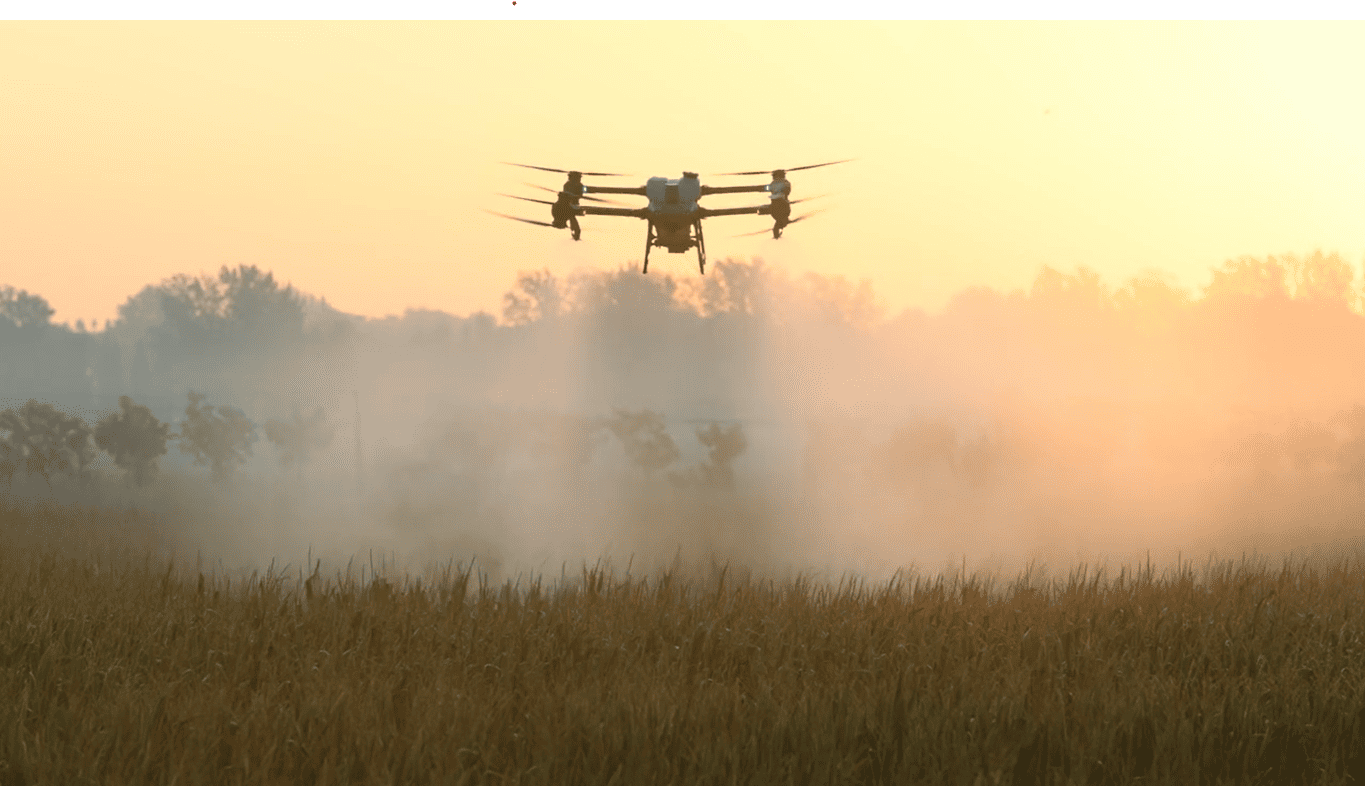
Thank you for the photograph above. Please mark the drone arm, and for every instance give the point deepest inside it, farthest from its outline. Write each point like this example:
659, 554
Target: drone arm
760, 210
638, 190
594, 210
731, 189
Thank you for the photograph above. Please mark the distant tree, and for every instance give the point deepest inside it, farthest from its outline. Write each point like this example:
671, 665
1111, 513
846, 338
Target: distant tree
1322, 278
724, 445
297, 437
1151, 294
42, 440
326, 324
537, 296
191, 314
77, 445
219, 437
624, 293
646, 442
1084, 285
731, 286
134, 438
258, 306
242, 304
1250, 278
22, 309
840, 302
478, 328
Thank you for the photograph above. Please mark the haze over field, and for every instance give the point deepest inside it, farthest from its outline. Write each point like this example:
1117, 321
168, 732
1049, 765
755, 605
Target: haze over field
777, 421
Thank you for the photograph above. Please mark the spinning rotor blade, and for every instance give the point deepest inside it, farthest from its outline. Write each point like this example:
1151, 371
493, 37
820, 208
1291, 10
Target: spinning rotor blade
528, 199
751, 234
788, 169
584, 197
807, 199
801, 217
524, 220
565, 171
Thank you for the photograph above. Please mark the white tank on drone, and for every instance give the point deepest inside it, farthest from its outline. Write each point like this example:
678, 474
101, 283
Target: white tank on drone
673, 196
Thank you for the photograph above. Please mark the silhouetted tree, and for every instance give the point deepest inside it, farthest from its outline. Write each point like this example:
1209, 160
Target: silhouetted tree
724, 444
134, 438
257, 306
298, 437
42, 440
243, 306
646, 442
23, 309
624, 293
537, 296
731, 286
194, 307
220, 437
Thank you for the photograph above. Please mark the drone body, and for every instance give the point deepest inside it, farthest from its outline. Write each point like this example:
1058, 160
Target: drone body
674, 213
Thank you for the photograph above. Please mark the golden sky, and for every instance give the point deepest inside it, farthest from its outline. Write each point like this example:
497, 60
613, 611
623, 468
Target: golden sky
353, 159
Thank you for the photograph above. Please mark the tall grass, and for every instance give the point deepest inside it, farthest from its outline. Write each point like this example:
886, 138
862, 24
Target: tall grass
121, 667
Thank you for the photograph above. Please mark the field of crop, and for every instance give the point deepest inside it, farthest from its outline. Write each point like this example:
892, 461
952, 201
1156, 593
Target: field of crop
119, 667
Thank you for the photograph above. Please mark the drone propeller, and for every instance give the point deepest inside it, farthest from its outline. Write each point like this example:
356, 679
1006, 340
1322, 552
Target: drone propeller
801, 217
807, 199
566, 171
523, 220
788, 169
584, 197
528, 199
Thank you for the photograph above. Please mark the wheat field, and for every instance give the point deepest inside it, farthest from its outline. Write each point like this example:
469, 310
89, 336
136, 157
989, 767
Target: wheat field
122, 666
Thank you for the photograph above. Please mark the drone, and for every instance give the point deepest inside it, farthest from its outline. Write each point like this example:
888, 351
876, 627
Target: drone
673, 214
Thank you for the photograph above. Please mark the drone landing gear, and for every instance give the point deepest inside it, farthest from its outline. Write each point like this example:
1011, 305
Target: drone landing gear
781, 212
701, 248
649, 241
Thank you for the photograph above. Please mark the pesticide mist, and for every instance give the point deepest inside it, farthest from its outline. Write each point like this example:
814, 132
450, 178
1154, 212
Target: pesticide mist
776, 423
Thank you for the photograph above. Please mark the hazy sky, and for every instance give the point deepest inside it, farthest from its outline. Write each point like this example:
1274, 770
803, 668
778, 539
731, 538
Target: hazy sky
353, 158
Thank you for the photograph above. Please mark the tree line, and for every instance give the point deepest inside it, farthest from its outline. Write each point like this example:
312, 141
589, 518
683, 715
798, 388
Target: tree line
41, 440
1264, 330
